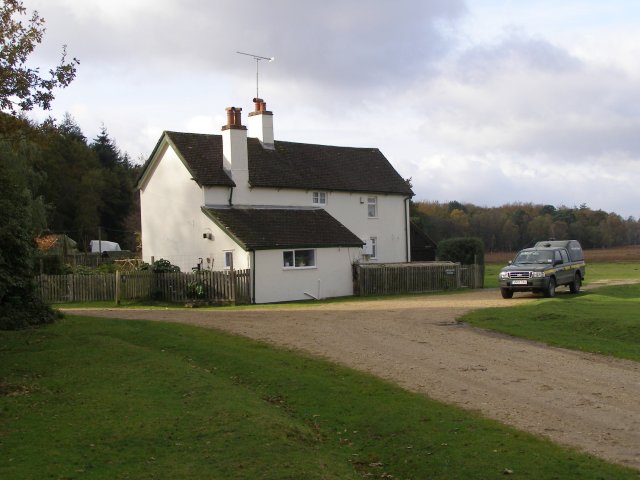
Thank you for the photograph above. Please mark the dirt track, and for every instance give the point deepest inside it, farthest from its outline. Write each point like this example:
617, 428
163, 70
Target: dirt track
582, 400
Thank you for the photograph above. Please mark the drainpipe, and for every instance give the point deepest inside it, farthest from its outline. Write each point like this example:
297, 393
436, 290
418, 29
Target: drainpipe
231, 196
253, 277
406, 230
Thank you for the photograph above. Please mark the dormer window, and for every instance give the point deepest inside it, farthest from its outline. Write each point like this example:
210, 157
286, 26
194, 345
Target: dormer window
319, 198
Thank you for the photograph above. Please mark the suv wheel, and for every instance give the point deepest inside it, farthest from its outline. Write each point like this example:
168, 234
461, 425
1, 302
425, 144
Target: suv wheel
551, 289
506, 293
576, 284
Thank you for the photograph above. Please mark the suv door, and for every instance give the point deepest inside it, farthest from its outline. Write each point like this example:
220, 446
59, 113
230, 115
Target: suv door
564, 273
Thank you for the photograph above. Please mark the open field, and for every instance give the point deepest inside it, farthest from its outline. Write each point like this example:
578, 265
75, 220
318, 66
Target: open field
597, 273
605, 255
105, 399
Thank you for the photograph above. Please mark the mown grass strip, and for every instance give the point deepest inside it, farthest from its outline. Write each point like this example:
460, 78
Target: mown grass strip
604, 320
105, 399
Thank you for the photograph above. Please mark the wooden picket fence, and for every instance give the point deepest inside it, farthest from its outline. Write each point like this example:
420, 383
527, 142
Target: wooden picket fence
205, 286
398, 278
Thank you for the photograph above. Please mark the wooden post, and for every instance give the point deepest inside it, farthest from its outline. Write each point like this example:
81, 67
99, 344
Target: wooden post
232, 281
117, 287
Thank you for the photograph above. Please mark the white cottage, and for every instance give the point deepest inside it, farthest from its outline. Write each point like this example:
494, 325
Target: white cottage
297, 215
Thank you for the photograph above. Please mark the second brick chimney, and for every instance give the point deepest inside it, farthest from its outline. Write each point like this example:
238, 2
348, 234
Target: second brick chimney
261, 124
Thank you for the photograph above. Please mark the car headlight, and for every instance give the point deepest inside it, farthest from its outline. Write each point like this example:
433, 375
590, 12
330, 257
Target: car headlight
538, 275
504, 275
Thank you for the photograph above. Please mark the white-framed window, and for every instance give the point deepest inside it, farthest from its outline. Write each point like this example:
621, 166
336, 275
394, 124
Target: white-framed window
373, 241
303, 258
228, 259
372, 207
319, 198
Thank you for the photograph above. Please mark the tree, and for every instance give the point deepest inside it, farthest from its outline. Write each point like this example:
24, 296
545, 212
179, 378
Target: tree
106, 149
22, 88
70, 129
119, 181
20, 216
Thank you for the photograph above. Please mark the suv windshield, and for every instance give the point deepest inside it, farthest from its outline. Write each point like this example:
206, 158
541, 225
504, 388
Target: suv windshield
534, 256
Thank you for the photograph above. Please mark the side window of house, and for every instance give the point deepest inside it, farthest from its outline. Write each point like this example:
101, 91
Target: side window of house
299, 258
319, 198
374, 247
228, 260
372, 207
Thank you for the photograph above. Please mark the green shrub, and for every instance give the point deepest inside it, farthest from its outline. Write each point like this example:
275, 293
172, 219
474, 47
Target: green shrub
195, 290
467, 250
25, 309
164, 266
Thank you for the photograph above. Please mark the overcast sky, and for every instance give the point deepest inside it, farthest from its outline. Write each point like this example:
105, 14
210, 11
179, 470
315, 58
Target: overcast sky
481, 101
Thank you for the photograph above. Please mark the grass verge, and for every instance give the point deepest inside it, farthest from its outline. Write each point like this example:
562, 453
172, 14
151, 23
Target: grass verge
109, 399
604, 320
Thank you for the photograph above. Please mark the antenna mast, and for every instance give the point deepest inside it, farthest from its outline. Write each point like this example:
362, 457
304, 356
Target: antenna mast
257, 58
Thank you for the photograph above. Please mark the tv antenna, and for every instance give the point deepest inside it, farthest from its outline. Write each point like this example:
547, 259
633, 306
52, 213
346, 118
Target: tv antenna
257, 58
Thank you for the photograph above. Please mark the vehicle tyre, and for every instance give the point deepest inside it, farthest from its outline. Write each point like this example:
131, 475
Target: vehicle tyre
506, 293
551, 289
576, 284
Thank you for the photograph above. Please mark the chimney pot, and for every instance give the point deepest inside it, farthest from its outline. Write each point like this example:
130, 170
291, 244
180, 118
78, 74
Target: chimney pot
231, 117
234, 118
257, 102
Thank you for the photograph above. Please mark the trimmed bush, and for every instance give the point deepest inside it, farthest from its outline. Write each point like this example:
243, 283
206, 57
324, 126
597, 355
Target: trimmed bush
466, 250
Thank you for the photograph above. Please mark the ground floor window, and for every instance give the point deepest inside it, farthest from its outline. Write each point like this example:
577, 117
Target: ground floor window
299, 258
373, 241
228, 260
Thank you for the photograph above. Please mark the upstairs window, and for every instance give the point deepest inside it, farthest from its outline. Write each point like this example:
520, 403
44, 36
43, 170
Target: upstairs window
299, 258
319, 198
372, 207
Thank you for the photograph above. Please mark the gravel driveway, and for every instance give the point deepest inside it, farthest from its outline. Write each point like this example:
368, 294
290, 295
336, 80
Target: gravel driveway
582, 400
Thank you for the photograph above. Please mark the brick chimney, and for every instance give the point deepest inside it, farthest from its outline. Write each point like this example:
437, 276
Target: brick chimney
235, 159
261, 124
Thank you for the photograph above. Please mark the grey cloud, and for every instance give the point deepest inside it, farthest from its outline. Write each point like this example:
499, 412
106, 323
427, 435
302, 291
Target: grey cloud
515, 51
348, 44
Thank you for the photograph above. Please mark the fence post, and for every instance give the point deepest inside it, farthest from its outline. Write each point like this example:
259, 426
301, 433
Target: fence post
232, 290
118, 287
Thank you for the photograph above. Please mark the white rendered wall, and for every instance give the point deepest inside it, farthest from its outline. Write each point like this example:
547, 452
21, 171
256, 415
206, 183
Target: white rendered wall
173, 223
235, 159
260, 126
331, 277
390, 227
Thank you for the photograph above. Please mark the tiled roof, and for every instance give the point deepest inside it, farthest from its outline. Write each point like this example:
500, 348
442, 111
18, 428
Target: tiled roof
269, 228
293, 165
303, 165
203, 153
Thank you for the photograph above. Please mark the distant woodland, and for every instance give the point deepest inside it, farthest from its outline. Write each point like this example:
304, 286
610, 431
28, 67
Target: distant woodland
83, 188
518, 225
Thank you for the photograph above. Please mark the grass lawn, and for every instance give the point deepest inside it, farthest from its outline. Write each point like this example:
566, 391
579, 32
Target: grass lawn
605, 320
108, 399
